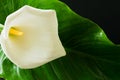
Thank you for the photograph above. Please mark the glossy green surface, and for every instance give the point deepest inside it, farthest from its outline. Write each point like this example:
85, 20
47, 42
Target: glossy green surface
90, 54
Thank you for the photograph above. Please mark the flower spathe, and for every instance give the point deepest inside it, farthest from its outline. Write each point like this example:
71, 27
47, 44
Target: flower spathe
30, 37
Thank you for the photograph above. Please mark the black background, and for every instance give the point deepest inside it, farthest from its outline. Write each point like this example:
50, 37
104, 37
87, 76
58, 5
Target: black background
106, 13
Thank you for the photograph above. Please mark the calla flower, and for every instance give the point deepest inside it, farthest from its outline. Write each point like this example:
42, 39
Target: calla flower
30, 37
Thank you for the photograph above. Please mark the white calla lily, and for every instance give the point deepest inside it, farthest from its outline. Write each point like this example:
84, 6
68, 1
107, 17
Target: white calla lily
30, 37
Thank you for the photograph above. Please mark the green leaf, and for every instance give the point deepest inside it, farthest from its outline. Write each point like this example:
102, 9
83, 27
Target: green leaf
90, 54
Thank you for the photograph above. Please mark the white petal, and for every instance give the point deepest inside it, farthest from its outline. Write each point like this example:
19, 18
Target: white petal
40, 42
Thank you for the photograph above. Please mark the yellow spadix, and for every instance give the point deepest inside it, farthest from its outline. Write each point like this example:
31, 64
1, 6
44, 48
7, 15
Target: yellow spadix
15, 32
